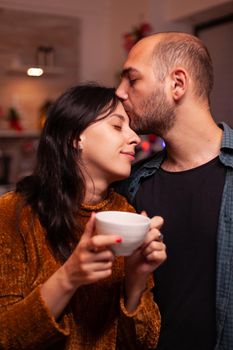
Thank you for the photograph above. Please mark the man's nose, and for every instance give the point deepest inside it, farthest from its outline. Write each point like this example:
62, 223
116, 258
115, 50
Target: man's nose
121, 92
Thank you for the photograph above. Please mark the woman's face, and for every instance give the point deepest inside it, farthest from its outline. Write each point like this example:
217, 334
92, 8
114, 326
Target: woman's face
108, 147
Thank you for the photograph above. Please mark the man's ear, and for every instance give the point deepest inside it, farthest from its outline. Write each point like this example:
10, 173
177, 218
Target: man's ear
179, 81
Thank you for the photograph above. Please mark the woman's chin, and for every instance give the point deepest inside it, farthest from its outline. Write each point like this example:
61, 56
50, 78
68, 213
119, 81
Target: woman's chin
120, 177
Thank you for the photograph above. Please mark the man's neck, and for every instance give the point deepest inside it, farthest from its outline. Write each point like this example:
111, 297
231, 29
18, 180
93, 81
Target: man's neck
190, 147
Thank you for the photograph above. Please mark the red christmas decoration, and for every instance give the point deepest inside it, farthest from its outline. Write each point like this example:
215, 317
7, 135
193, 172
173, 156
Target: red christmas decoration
14, 119
137, 33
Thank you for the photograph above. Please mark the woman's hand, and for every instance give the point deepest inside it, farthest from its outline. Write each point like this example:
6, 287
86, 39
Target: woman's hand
91, 261
142, 262
152, 252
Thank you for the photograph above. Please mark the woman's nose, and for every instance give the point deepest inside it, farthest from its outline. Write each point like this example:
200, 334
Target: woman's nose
135, 139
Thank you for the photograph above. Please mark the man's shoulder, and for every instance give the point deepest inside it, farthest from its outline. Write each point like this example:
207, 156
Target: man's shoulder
149, 162
141, 169
227, 140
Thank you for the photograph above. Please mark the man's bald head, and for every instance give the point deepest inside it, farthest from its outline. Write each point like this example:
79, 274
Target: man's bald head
174, 49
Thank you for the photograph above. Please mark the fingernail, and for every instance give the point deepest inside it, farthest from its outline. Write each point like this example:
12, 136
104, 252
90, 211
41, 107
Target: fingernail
118, 240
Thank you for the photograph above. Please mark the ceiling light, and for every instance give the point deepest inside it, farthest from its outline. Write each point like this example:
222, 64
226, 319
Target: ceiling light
35, 72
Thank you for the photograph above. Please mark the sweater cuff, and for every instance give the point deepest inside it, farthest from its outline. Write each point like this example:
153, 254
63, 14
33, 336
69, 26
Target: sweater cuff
41, 323
62, 325
28, 324
141, 305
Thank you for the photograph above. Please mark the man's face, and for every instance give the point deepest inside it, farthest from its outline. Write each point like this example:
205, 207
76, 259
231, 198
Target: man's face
144, 96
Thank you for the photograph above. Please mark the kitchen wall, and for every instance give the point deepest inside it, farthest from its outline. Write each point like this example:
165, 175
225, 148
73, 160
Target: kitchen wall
102, 23
197, 10
19, 50
99, 40
97, 53
87, 36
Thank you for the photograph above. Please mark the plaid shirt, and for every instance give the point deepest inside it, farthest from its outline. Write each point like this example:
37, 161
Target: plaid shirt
224, 278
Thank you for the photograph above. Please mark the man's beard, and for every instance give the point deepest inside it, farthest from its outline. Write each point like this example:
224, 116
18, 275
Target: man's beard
156, 115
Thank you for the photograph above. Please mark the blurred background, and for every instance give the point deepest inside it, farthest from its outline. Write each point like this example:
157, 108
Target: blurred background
74, 41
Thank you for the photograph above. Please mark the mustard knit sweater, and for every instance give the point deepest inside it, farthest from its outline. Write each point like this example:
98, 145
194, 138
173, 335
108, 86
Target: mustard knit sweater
95, 317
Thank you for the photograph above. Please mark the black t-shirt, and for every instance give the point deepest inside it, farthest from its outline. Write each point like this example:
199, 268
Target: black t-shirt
189, 201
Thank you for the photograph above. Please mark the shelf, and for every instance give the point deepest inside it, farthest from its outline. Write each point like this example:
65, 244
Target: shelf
48, 71
13, 134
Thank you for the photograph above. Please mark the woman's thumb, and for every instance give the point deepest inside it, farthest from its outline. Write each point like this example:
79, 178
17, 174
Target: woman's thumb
90, 226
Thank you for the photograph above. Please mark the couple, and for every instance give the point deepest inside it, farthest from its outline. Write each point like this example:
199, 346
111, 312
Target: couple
57, 290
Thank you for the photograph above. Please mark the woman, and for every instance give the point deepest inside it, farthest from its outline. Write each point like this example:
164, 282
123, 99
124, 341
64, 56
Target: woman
61, 285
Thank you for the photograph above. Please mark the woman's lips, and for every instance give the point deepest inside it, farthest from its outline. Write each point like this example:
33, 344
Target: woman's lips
131, 155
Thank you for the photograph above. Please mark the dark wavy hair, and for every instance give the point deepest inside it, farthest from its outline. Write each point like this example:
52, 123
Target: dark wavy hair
56, 188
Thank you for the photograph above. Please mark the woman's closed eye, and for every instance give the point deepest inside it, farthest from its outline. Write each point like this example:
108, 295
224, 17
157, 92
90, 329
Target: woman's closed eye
117, 127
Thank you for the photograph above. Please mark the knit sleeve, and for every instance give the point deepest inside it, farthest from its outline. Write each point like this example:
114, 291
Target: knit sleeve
27, 324
146, 318
25, 321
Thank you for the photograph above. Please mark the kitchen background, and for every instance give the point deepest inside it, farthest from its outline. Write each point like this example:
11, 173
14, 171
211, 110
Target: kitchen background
76, 41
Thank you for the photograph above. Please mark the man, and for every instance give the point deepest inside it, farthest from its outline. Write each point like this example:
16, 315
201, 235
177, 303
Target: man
166, 83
